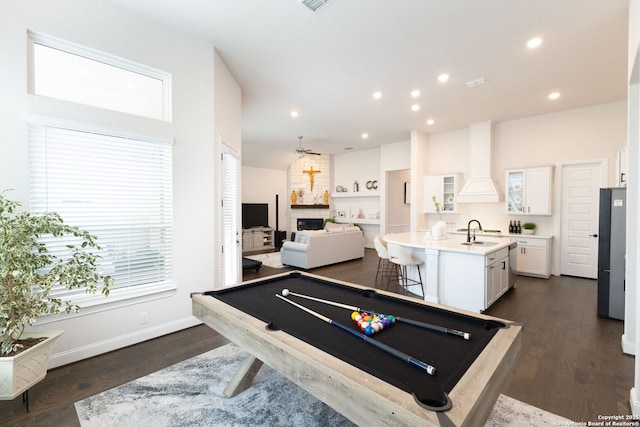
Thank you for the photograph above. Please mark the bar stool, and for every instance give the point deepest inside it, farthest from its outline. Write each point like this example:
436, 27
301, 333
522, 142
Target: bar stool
385, 267
399, 256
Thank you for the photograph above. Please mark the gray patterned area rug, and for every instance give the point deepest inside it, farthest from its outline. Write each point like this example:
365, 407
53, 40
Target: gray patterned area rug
190, 394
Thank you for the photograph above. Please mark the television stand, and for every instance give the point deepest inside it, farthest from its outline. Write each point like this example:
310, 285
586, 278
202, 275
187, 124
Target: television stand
257, 239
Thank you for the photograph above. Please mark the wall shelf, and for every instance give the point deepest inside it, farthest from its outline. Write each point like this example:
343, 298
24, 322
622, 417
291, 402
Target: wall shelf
362, 221
309, 206
356, 194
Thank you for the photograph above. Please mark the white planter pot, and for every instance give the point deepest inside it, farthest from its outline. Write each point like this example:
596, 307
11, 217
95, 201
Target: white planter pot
528, 231
20, 372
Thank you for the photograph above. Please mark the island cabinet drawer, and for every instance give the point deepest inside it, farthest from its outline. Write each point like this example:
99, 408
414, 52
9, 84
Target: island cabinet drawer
533, 243
491, 258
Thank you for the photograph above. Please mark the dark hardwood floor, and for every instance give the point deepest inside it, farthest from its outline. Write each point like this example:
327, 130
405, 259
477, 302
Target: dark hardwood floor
571, 361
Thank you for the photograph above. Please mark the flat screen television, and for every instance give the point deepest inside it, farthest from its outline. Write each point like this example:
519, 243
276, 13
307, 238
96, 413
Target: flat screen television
255, 215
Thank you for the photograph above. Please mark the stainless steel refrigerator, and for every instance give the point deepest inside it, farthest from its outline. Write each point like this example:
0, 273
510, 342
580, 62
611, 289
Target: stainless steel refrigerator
611, 252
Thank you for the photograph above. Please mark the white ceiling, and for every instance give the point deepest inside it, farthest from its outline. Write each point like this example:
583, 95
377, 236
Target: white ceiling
327, 65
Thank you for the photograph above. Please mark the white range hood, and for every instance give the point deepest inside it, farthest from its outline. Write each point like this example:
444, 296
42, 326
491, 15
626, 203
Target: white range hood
479, 187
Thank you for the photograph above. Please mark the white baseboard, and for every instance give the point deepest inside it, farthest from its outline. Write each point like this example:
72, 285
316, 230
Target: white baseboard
80, 353
628, 346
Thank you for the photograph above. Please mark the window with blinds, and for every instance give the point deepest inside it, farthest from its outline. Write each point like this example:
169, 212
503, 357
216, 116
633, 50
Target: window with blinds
117, 187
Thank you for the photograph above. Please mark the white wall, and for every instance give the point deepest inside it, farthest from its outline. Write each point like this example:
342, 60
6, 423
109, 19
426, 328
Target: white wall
261, 186
100, 25
397, 211
393, 157
360, 166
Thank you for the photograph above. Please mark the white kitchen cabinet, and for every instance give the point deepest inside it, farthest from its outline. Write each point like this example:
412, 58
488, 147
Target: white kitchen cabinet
444, 188
496, 275
534, 257
529, 191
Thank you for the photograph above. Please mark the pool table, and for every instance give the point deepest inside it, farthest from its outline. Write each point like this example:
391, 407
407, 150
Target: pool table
365, 384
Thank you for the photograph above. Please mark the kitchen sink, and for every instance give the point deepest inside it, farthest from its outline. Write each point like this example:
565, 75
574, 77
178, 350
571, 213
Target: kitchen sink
479, 243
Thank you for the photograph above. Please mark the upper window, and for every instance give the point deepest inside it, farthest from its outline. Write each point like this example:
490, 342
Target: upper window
66, 71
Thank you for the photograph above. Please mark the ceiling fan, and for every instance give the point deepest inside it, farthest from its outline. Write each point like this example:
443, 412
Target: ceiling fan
300, 152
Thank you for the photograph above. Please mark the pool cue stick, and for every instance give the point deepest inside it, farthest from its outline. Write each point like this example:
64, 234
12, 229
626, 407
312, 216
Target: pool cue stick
388, 349
442, 329
465, 335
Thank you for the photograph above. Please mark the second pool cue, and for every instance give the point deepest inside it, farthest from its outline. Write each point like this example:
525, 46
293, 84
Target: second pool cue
442, 329
388, 349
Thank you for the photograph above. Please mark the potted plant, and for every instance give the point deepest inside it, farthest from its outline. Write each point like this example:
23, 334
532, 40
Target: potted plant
29, 272
528, 228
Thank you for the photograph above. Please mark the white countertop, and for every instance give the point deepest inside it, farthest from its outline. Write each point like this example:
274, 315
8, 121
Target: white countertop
451, 244
481, 235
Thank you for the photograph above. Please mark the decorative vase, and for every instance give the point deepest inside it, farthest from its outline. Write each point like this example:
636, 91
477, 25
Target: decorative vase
439, 230
294, 197
20, 372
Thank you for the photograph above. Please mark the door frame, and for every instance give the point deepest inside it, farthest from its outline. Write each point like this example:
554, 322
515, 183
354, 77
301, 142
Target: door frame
604, 179
226, 148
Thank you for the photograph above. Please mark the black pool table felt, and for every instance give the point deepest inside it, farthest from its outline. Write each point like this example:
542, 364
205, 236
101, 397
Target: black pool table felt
451, 355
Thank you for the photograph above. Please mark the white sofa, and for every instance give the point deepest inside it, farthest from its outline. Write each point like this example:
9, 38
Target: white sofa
315, 248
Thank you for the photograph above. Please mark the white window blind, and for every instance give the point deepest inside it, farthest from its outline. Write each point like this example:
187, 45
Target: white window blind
118, 188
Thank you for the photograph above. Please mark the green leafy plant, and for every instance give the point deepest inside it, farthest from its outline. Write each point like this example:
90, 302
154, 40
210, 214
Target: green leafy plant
529, 226
29, 272
437, 206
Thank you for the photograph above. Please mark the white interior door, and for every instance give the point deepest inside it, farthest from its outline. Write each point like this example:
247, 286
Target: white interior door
580, 202
230, 219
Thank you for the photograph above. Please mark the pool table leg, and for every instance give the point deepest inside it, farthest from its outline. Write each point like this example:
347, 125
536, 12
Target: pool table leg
244, 377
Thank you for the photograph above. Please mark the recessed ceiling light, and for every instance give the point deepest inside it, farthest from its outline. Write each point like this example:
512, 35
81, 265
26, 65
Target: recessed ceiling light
554, 95
415, 93
415, 107
430, 122
294, 114
442, 78
377, 95
348, 148
534, 42
365, 135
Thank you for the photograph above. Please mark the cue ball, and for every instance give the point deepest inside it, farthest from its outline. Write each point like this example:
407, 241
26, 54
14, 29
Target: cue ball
285, 292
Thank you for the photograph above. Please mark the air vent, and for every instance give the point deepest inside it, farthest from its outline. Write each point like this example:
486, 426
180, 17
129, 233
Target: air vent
315, 5
477, 82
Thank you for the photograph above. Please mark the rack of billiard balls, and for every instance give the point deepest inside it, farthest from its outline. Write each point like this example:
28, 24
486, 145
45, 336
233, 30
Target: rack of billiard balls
372, 323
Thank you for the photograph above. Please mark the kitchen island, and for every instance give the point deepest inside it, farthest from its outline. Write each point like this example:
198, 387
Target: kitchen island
467, 276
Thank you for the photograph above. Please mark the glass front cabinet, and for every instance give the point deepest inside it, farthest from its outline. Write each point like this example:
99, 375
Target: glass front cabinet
445, 190
529, 191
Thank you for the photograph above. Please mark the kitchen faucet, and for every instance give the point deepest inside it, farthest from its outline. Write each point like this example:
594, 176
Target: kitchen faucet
469, 230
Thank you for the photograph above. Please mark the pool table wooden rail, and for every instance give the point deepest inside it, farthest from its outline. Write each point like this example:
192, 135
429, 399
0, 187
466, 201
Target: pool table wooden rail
359, 396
